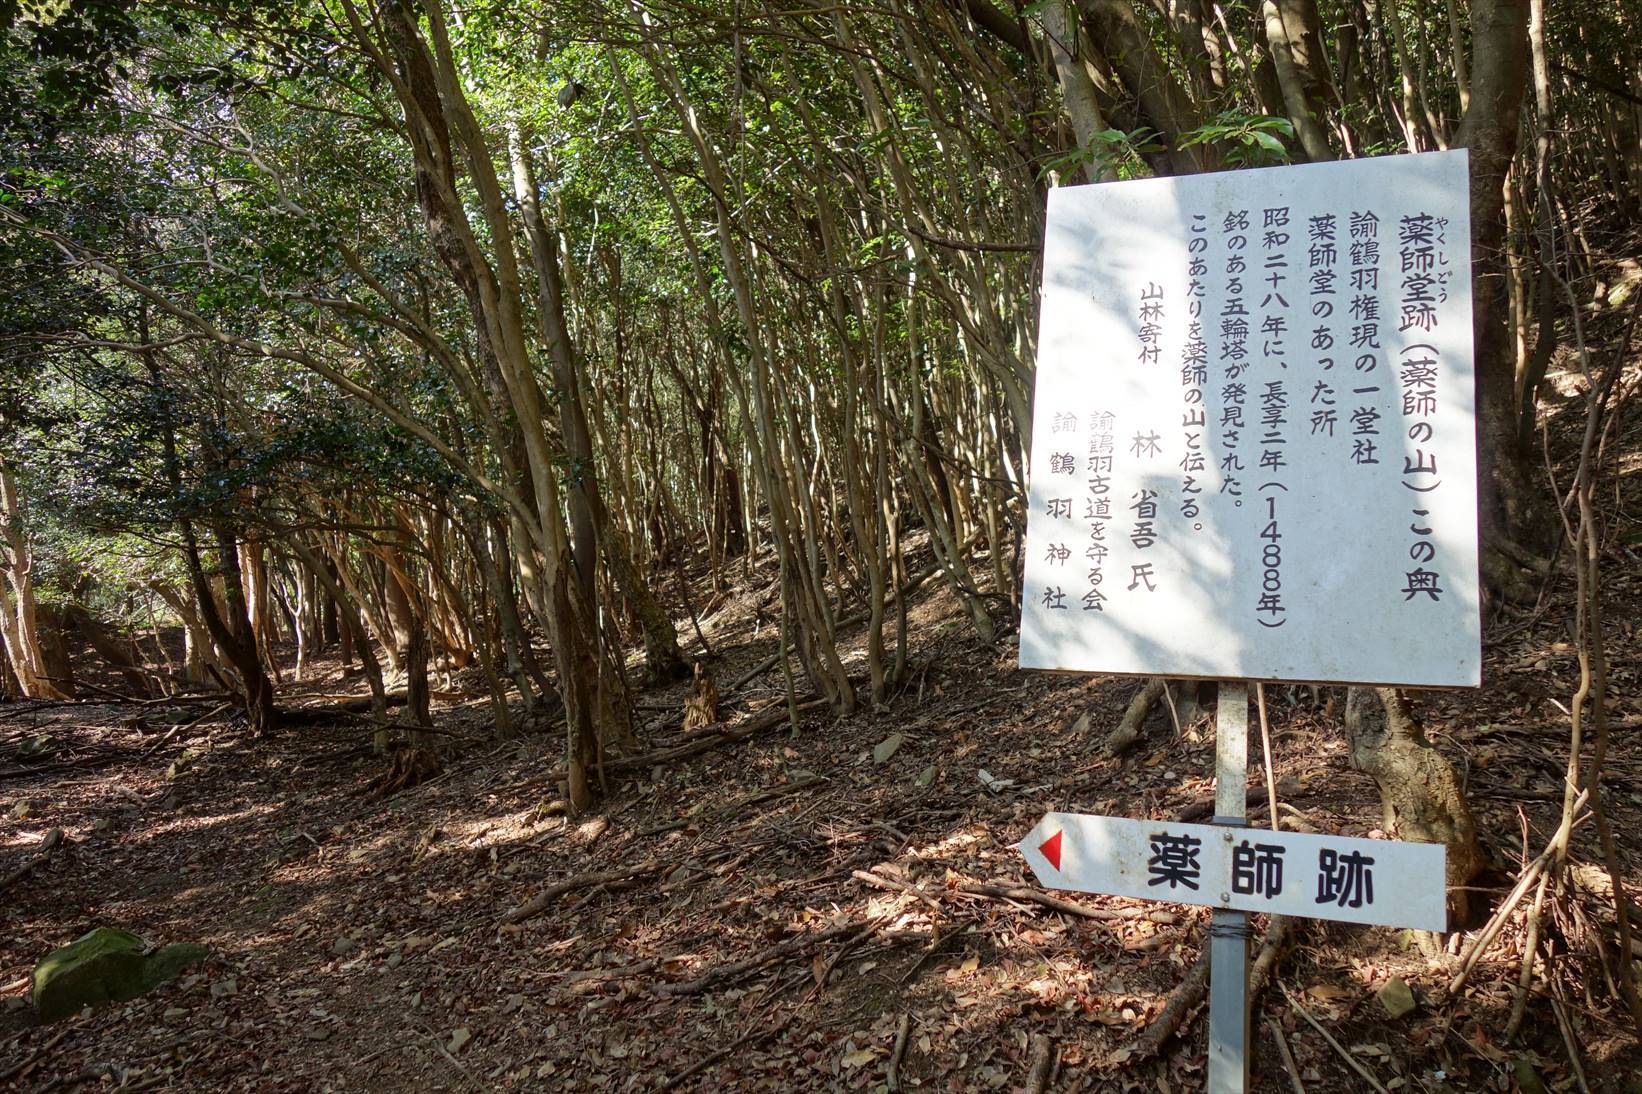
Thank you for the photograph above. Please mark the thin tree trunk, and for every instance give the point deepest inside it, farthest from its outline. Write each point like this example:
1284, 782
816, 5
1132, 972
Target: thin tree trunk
18, 622
1508, 509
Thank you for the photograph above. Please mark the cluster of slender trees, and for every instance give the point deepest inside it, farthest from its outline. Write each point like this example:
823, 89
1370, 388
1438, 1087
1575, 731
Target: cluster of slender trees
503, 337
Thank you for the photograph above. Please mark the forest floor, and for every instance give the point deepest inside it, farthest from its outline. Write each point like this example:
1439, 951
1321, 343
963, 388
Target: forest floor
712, 928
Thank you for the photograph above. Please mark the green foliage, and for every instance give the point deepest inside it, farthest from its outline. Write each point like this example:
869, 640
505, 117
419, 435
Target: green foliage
57, 58
1111, 150
1248, 140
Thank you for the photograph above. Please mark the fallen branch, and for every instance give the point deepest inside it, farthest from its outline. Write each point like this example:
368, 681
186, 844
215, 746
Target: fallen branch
161, 743
1186, 997
1183, 1001
892, 1075
734, 969
1202, 807
323, 713
1043, 1060
31, 706
543, 900
53, 839
895, 885
23, 1065
586, 979
375, 724
116, 696
1571, 1044
765, 721
1344, 1055
1288, 1056
771, 794
724, 1053
1059, 904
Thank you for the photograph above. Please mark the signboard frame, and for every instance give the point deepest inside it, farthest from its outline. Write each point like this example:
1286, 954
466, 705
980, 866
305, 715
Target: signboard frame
1107, 242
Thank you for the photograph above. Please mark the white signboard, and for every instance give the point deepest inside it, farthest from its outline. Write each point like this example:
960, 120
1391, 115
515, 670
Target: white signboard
1386, 882
1253, 449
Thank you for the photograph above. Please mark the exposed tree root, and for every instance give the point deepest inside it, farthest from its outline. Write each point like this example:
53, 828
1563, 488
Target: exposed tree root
1127, 733
542, 901
409, 767
733, 970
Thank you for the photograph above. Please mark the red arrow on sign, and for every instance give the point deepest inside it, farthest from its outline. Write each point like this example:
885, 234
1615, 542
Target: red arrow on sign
1050, 849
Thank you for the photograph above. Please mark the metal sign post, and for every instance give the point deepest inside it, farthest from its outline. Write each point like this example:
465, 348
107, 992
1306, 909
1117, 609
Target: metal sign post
1228, 930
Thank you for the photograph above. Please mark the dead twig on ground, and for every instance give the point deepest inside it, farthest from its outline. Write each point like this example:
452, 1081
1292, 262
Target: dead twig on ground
732, 970
1351, 1060
763, 722
760, 797
31, 706
1059, 904
724, 1053
1288, 1057
439, 1045
892, 1074
53, 840
1042, 1056
1183, 1001
1188, 995
1571, 1044
22, 1066
116, 696
543, 900
895, 885
1201, 807
163, 741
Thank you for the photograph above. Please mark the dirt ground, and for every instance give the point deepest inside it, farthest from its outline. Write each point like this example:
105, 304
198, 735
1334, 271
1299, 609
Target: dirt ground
712, 927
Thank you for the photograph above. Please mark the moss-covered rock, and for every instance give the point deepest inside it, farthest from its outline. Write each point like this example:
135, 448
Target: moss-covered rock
104, 966
167, 961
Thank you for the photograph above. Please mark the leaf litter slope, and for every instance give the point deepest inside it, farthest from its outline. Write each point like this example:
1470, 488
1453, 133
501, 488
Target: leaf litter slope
775, 912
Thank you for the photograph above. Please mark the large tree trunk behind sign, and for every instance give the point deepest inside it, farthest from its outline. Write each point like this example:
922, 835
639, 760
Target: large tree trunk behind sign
1422, 797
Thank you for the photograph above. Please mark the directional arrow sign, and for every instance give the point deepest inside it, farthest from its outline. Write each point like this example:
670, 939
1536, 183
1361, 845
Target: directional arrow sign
1386, 882
1050, 850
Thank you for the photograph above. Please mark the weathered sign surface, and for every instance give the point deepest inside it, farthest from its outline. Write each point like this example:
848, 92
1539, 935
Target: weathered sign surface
1386, 882
1253, 451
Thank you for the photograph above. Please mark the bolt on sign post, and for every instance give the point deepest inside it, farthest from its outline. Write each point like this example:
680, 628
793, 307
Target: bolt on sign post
1254, 458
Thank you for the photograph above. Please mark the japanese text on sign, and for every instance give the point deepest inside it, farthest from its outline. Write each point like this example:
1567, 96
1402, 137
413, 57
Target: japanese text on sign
1387, 882
1253, 452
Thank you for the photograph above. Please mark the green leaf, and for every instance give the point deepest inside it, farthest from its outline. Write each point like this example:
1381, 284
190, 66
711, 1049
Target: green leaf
1268, 142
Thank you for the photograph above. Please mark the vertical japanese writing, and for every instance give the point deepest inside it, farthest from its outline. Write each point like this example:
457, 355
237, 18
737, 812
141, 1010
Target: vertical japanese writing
1097, 507
1423, 287
1150, 314
1194, 372
1063, 427
1144, 445
1365, 334
1270, 610
1271, 381
1234, 351
1322, 261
